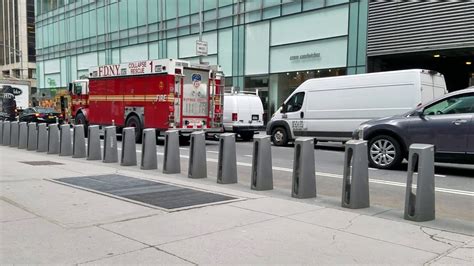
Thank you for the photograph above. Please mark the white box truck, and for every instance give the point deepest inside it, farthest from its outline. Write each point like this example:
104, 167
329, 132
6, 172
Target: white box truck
15, 95
330, 109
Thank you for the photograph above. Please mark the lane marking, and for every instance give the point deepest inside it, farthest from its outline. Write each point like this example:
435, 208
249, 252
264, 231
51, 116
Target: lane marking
248, 155
371, 180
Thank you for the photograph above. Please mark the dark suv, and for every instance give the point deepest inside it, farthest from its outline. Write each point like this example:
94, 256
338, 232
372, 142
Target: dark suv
447, 122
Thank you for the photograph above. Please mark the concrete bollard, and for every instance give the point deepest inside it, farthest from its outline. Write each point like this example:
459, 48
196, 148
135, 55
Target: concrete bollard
304, 176
93, 143
110, 145
227, 162
65, 141
14, 134
420, 207
32, 144
197, 167
149, 158
42, 138
53, 139
1, 131
23, 135
79, 142
129, 148
262, 175
6, 133
355, 180
171, 160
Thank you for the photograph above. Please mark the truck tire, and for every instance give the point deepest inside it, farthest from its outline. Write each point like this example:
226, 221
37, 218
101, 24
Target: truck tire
247, 135
384, 152
134, 121
81, 120
279, 136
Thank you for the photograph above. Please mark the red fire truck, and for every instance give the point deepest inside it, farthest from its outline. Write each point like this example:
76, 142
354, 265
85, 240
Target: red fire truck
162, 94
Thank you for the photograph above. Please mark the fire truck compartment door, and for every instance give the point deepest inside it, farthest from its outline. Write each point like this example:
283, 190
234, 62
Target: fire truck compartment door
195, 93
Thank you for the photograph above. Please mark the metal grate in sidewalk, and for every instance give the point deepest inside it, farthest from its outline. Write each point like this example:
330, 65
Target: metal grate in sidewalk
41, 163
169, 197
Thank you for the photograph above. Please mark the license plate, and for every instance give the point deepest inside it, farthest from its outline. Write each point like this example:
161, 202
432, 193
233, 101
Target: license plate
254, 117
50, 117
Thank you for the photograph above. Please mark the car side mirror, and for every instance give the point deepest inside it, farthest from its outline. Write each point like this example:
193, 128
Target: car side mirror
419, 113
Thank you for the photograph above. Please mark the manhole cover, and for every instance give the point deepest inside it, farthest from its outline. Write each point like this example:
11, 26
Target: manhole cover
145, 191
38, 163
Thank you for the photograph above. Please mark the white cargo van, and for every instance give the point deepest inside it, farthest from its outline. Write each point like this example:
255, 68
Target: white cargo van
330, 109
243, 114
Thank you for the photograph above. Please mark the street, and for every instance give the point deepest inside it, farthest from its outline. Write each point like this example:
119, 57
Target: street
454, 183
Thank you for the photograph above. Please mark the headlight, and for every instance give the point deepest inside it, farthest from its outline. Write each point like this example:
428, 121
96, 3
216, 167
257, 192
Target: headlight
361, 130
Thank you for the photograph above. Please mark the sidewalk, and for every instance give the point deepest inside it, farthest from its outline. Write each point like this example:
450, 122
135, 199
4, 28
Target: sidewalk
46, 222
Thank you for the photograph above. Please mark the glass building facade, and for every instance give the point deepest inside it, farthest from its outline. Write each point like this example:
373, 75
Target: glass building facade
269, 46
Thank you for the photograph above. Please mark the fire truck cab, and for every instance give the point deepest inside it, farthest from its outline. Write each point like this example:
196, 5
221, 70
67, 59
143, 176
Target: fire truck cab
162, 94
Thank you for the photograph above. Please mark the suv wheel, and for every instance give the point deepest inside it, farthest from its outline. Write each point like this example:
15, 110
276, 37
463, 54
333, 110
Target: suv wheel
384, 152
279, 136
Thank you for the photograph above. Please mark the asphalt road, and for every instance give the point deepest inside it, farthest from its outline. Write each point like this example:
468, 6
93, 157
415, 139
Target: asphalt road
454, 183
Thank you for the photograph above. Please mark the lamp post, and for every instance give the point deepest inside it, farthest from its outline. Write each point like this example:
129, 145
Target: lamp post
17, 52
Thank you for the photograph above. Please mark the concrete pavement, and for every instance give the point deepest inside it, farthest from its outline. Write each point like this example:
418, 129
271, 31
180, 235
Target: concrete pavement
47, 222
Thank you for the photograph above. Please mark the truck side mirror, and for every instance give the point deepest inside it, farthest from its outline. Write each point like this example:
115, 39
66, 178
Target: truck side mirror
69, 87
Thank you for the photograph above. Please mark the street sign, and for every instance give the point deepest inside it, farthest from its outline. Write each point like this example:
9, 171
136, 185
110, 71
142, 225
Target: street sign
201, 47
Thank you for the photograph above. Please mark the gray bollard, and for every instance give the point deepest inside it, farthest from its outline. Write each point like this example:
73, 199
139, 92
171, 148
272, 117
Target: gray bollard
65, 141
197, 167
420, 207
171, 160
262, 175
53, 139
149, 158
32, 144
79, 142
304, 176
227, 162
23, 135
6, 133
1, 131
42, 138
110, 145
355, 180
93, 143
14, 134
129, 148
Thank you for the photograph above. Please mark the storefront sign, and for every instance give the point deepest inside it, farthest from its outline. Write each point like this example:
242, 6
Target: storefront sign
305, 56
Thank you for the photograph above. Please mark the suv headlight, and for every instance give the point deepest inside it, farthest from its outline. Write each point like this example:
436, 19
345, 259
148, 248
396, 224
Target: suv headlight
360, 131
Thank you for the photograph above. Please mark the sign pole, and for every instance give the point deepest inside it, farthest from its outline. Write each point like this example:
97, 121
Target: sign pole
201, 3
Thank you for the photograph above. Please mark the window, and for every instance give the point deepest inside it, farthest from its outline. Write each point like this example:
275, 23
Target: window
295, 103
454, 105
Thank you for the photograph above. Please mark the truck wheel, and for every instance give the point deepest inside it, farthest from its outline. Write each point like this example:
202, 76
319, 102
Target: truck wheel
279, 136
133, 121
81, 120
384, 152
247, 135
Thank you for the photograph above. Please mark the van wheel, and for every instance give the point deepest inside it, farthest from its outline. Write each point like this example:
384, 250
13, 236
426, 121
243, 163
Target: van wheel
279, 136
384, 152
133, 121
247, 135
